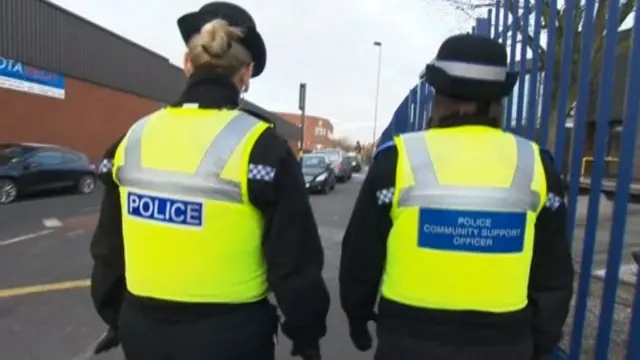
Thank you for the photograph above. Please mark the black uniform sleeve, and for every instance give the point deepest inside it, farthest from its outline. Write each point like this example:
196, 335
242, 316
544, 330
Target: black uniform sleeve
364, 245
551, 279
292, 247
107, 248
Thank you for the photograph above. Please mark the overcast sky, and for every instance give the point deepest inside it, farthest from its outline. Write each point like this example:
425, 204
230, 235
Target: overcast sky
327, 43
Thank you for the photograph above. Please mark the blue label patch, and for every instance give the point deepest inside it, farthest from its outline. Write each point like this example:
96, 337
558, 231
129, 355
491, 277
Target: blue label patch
472, 231
165, 210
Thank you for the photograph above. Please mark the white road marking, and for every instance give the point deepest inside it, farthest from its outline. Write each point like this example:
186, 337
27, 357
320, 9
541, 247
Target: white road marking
24, 237
52, 222
75, 233
91, 208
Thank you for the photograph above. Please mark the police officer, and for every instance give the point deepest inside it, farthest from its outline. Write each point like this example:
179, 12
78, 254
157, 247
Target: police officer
465, 224
204, 213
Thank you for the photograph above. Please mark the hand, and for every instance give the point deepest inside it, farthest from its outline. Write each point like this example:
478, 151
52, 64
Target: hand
359, 333
306, 352
107, 342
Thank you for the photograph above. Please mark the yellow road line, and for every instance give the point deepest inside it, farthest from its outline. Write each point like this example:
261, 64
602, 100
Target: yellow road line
43, 288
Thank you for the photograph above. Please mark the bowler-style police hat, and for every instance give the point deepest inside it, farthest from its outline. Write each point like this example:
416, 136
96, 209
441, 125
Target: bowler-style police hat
471, 68
191, 23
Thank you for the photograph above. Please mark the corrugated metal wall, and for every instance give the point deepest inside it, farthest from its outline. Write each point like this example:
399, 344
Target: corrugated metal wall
49, 37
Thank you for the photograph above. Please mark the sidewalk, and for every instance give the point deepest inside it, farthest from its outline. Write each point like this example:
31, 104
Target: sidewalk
622, 311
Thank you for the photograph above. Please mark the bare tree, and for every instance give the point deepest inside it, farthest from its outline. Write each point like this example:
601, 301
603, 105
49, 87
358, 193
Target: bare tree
623, 45
367, 153
344, 143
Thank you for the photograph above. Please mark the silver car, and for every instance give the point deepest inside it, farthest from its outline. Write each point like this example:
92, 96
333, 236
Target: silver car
340, 163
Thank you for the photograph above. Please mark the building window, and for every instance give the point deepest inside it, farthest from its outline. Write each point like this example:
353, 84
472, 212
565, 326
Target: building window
320, 131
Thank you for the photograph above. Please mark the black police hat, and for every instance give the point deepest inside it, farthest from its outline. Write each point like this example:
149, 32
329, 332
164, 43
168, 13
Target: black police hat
191, 23
471, 68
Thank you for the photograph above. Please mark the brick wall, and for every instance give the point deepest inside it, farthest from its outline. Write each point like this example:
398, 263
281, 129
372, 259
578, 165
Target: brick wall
313, 136
89, 119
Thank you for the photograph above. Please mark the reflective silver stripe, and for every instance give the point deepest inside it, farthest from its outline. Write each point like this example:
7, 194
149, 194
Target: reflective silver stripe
428, 192
472, 71
206, 182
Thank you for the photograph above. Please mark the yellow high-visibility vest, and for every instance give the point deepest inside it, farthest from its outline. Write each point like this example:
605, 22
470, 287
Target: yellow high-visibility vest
464, 210
190, 232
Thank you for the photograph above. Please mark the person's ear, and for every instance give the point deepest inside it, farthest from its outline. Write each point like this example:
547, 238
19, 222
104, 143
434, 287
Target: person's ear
247, 73
186, 65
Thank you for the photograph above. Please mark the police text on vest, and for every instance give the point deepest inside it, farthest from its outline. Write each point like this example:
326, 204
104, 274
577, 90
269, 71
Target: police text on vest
472, 231
165, 210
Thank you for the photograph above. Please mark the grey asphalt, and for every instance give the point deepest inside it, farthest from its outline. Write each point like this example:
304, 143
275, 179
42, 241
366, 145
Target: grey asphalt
62, 325
25, 216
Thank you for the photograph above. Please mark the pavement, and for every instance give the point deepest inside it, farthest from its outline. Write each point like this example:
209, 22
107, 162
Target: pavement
46, 312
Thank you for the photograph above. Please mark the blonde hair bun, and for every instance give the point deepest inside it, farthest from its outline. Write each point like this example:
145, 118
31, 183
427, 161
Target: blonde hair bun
219, 45
217, 35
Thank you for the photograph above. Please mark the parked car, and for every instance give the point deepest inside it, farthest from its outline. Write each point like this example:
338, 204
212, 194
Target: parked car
339, 161
318, 173
356, 164
31, 168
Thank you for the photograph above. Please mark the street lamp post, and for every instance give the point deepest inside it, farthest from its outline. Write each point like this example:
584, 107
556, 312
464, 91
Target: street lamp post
302, 106
377, 44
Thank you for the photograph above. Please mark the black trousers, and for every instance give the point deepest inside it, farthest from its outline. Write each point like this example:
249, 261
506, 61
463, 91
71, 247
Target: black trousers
242, 335
394, 347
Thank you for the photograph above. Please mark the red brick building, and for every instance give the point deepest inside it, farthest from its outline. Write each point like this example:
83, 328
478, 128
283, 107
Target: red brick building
89, 118
318, 132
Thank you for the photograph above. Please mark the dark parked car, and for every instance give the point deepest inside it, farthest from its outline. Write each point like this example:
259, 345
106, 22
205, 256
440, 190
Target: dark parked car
318, 173
31, 168
356, 165
339, 162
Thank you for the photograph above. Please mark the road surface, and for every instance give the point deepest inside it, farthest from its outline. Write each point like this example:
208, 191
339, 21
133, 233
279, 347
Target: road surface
46, 313
45, 309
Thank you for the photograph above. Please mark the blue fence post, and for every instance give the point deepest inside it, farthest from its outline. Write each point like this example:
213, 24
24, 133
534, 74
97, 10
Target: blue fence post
512, 57
565, 75
413, 109
483, 27
522, 81
549, 69
427, 112
400, 116
581, 107
533, 101
424, 105
580, 128
418, 105
496, 21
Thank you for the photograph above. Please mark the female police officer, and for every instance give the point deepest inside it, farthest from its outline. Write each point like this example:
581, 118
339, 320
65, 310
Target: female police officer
468, 228
206, 207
